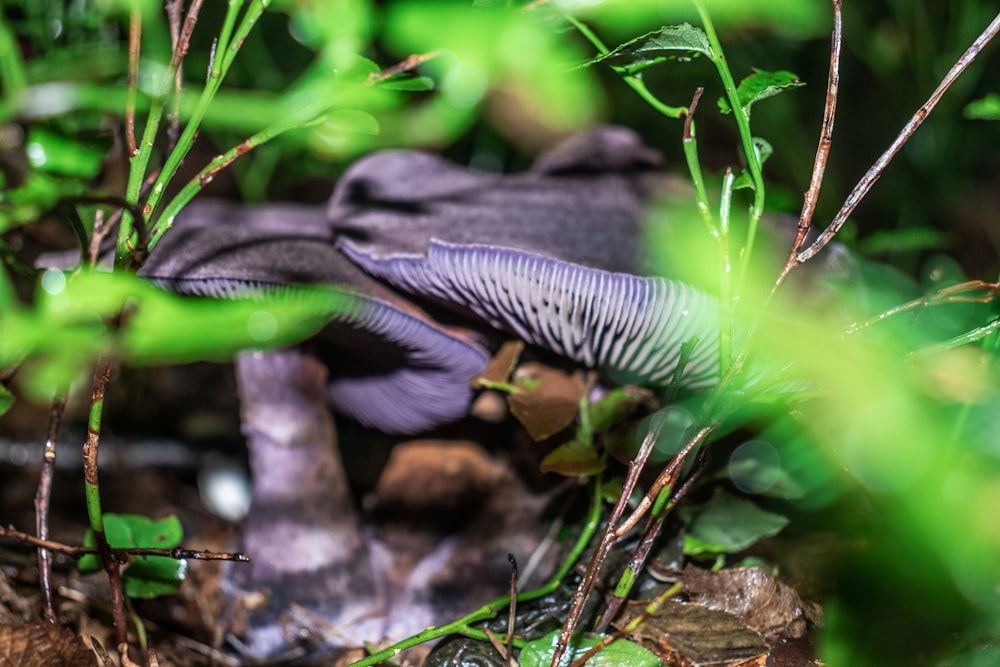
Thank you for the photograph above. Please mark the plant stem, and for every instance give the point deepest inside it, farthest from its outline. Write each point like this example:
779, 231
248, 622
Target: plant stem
634, 81
726, 310
205, 176
690, 145
718, 58
227, 45
102, 374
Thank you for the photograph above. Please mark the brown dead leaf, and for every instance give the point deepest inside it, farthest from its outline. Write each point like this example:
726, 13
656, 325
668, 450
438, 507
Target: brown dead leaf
548, 400
768, 606
500, 367
690, 635
43, 644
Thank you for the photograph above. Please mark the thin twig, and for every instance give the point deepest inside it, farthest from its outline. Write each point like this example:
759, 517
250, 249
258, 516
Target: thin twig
134, 42
961, 293
411, 62
513, 610
872, 175
42, 496
608, 537
666, 477
122, 554
173, 9
822, 151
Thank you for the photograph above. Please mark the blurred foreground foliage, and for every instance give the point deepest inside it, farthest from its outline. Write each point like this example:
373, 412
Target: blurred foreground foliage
890, 437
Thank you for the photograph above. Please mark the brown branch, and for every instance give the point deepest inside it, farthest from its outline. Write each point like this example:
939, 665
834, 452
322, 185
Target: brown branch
121, 554
872, 175
173, 9
409, 63
42, 496
689, 116
960, 293
608, 537
134, 41
822, 151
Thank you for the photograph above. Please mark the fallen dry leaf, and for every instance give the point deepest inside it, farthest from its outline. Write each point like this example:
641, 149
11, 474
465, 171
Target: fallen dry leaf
43, 644
768, 606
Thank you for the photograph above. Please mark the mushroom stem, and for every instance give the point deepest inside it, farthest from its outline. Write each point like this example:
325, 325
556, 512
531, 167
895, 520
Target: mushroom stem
302, 520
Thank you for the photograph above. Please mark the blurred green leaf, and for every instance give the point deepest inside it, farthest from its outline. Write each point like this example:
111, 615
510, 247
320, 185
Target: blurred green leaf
59, 155
66, 330
760, 85
899, 240
497, 48
677, 42
6, 400
985, 108
38, 194
728, 524
538, 653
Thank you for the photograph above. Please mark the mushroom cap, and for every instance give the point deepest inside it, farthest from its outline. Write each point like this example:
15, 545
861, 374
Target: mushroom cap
549, 255
390, 366
583, 201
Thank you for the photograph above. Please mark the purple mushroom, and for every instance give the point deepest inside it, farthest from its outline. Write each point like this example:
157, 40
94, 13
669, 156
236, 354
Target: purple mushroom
549, 255
396, 370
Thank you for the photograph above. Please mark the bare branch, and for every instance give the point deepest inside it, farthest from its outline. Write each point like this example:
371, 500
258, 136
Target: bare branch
873, 174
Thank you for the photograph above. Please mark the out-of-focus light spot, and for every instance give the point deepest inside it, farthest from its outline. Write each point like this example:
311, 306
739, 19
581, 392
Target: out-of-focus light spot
755, 466
36, 154
262, 326
464, 85
225, 491
675, 422
54, 281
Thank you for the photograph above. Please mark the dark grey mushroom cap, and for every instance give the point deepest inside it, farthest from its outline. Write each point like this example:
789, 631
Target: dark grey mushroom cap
549, 254
567, 206
391, 367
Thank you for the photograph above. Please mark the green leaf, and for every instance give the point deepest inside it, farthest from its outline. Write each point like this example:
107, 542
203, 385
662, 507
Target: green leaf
144, 577
728, 524
573, 458
621, 653
6, 400
760, 85
614, 407
985, 108
677, 42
